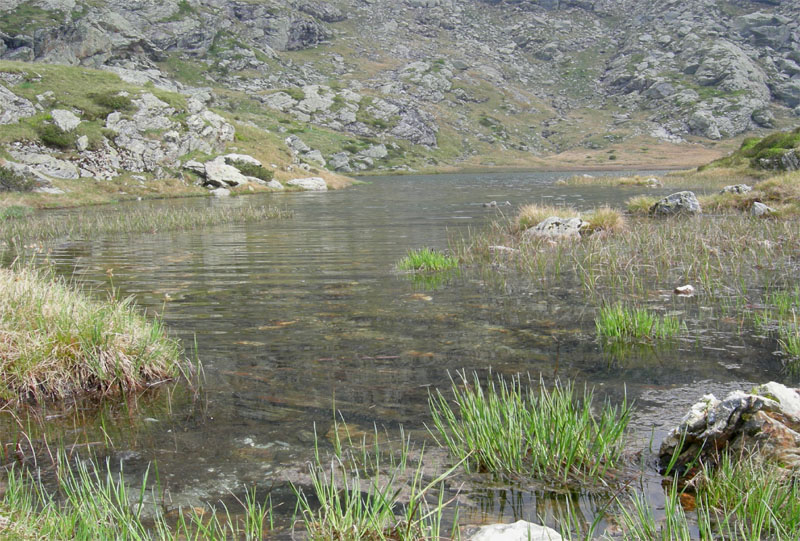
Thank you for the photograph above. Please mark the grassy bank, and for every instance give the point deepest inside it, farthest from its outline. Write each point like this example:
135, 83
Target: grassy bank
56, 342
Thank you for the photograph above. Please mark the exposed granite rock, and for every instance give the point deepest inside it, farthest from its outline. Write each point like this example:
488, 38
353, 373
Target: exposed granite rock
556, 227
736, 188
13, 107
764, 421
760, 209
65, 120
678, 203
315, 184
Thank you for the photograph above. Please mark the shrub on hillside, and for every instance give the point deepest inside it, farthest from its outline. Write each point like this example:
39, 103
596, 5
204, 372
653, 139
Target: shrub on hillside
53, 136
251, 170
11, 181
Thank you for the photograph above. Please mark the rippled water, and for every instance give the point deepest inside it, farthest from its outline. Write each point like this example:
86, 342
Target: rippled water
290, 315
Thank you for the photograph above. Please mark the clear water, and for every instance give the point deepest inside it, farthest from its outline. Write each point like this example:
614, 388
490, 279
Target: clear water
290, 315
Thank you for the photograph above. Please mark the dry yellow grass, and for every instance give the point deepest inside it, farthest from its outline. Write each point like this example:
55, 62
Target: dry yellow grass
56, 342
530, 215
605, 219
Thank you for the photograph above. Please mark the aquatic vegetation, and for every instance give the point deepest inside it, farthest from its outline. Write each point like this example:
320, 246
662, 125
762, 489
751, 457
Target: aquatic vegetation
720, 255
741, 498
779, 317
621, 323
606, 219
427, 259
59, 343
369, 492
530, 215
79, 225
94, 503
640, 205
553, 435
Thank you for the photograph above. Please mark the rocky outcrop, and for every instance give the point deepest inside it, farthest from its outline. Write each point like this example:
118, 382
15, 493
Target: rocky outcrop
13, 108
557, 228
678, 203
314, 184
788, 160
764, 421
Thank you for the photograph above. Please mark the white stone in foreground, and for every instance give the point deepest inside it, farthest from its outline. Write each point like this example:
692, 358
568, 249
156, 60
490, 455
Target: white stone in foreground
315, 184
518, 531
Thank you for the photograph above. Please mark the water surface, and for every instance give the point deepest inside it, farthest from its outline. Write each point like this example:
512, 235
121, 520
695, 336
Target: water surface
291, 315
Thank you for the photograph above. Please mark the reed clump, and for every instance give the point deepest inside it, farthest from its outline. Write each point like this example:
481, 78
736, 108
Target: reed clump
369, 491
531, 215
740, 498
605, 219
620, 323
427, 259
56, 342
94, 503
556, 436
22, 228
640, 205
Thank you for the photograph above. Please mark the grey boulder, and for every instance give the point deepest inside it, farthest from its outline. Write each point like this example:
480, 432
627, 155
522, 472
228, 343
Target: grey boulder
678, 203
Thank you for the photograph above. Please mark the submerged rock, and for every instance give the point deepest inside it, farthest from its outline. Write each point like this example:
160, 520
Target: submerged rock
677, 203
765, 421
518, 531
556, 227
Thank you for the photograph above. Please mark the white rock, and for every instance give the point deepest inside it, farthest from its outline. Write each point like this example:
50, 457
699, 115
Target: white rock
760, 209
314, 156
518, 531
13, 107
220, 192
194, 165
220, 174
557, 227
242, 158
686, 291
275, 185
65, 120
82, 143
315, 184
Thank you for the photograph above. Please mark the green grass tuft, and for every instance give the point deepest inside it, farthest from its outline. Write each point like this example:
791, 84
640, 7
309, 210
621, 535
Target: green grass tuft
427, 259
58, 343
619, 323
554, 435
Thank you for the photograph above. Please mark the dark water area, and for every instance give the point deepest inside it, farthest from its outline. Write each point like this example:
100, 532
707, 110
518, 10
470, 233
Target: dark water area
291, 316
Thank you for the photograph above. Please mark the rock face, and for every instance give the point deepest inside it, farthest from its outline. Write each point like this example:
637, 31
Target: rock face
555, 227
765, 421
788, 160
518, 531
677, 203
673, 68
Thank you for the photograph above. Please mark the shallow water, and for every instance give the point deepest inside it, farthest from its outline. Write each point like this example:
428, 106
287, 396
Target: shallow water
291, 315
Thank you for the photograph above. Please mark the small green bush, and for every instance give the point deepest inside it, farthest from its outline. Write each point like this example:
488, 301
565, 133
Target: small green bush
113, 101
11, 181
251, 169
53, 136
295, 93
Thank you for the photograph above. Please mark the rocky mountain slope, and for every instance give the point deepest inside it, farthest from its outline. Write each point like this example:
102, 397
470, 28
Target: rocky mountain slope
388, 84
